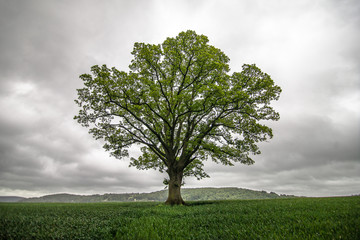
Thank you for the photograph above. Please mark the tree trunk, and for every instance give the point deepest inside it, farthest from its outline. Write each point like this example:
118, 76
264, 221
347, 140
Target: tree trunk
174, 197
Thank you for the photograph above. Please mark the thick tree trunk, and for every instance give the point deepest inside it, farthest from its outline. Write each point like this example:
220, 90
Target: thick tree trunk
174, 197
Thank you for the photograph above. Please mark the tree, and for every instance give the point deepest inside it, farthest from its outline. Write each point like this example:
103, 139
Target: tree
181, 105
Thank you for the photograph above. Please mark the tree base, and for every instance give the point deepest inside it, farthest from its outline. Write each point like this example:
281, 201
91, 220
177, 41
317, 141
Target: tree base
173, 202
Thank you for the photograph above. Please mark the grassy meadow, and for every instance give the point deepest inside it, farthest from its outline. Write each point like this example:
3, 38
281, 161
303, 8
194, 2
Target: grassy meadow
295, 218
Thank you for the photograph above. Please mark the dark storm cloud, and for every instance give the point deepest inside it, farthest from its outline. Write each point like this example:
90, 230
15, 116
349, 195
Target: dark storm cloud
310, 48
45, 46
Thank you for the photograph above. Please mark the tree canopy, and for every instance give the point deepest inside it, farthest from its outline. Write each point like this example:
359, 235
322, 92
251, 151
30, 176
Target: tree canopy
181, 105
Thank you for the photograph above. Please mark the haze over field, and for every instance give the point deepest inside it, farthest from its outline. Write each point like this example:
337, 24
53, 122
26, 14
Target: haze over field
310, 49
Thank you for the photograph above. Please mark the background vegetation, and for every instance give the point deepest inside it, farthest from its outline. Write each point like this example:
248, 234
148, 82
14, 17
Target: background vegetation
190, 194
293, 218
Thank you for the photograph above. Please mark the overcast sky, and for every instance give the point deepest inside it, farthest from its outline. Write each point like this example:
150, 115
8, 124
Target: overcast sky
309, 47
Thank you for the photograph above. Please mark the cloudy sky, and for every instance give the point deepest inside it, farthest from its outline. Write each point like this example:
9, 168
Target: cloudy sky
309, 47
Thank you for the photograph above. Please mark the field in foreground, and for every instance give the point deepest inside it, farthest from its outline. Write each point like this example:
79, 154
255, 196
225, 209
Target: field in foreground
297, 218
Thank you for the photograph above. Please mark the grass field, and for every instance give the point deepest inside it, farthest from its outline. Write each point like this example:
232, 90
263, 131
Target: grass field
296, 218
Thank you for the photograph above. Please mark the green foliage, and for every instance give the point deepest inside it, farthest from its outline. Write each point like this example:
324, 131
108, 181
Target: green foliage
295, 218
180, 104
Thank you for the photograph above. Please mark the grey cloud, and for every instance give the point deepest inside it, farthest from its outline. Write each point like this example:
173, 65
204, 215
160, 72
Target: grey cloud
310, 48
305, 157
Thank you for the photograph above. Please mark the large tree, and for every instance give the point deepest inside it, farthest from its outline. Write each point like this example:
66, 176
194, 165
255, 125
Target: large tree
179, 103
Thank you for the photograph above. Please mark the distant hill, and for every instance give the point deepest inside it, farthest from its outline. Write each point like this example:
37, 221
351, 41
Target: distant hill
188, 194
10, 199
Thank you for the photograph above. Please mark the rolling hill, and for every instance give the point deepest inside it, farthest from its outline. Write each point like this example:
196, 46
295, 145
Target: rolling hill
10, 199
188, 194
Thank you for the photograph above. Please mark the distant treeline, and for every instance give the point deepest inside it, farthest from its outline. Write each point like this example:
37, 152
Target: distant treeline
188, 194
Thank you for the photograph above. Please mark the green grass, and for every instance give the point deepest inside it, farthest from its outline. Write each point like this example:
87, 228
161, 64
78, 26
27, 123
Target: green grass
297, 218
